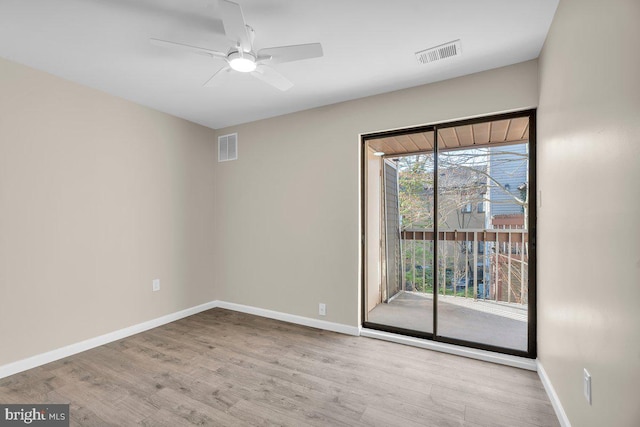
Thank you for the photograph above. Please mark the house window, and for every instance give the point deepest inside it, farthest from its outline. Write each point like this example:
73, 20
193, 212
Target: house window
466, 208
480, 207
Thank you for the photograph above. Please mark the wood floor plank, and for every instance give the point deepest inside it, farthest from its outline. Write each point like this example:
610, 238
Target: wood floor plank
532, 413
489, 418
232, 369
368, 380
190, 410
258, 414
456, 367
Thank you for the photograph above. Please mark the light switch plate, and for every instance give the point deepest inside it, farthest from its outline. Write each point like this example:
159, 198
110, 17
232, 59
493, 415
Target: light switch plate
539, 198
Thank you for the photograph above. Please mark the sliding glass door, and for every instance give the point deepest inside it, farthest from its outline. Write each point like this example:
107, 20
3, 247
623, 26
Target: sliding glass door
457, 227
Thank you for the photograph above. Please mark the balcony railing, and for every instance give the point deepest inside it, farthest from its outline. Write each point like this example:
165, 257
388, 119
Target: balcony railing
489, 264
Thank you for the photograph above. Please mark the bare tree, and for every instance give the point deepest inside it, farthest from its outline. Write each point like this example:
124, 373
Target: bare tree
465, 180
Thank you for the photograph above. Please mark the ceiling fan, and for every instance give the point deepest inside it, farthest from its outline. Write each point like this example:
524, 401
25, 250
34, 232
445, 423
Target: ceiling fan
242, 57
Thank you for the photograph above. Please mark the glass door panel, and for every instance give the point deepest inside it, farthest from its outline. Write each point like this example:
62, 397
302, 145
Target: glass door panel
483, 236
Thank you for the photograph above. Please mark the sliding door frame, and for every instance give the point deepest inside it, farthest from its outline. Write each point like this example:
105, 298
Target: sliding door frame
531, 351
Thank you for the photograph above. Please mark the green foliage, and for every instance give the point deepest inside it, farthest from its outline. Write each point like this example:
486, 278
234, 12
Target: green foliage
415, 181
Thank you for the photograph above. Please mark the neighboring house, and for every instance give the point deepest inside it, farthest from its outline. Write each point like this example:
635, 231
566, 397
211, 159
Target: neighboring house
483, 196
462, 207
508, 168
462, 198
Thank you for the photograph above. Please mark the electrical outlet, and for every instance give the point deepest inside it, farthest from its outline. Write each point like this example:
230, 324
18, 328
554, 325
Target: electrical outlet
587, 385
322, 309
155, 285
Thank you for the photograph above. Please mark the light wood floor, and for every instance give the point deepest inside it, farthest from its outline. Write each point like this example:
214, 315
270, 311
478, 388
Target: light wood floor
225, 368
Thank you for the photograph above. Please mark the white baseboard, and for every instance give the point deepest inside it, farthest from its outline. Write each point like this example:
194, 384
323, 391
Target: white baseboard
69, 350
553, 397
292, 318
487, 356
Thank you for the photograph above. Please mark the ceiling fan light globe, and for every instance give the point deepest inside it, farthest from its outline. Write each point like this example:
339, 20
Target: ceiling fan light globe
243, 64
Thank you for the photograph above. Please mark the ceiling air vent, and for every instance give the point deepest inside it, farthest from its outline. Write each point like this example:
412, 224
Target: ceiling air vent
228, 147
438, 53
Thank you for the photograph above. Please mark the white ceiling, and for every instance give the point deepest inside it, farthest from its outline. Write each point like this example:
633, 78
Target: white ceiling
369, 48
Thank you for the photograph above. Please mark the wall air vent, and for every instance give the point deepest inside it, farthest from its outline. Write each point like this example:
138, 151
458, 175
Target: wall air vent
438, 53
228, 147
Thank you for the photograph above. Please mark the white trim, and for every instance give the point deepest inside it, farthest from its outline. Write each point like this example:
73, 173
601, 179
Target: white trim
71, 349
553, 397
292, 318
50, 356
487, 356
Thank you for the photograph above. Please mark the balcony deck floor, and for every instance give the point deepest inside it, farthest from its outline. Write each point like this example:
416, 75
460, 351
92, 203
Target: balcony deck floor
487, 322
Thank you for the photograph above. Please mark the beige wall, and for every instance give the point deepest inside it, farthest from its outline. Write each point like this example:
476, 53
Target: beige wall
288, 210
589, 223
98, 196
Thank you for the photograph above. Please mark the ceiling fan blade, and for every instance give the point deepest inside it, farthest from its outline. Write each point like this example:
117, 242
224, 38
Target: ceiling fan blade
213, 80
272, 77
188, 48
234, 25
282, 54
